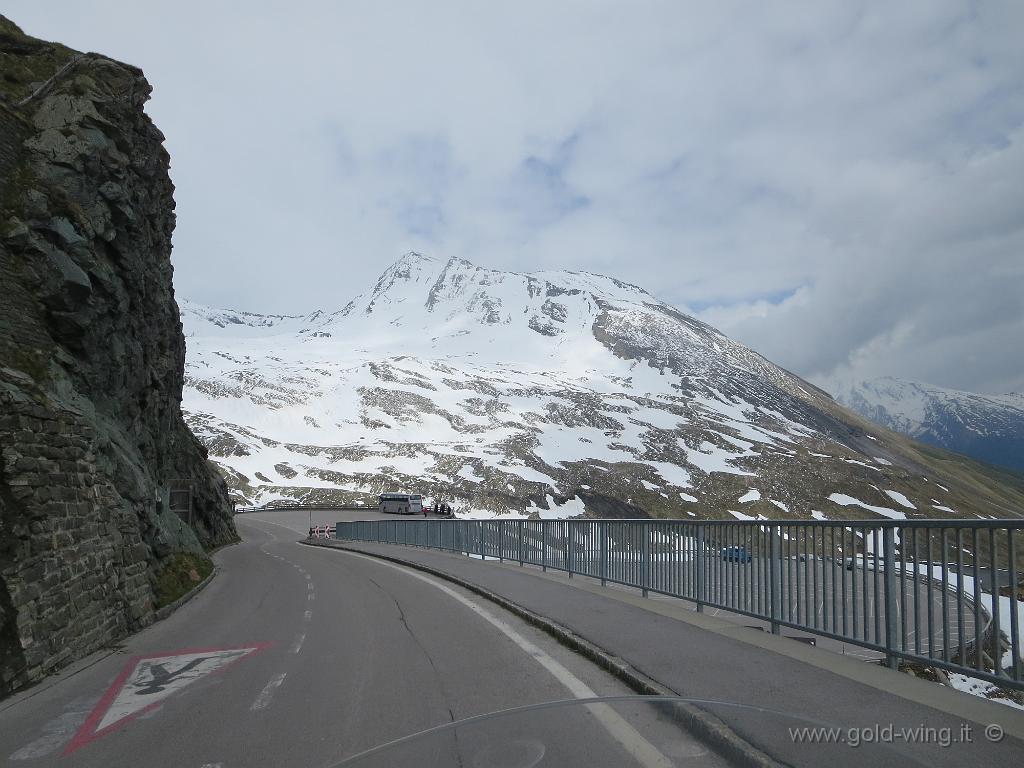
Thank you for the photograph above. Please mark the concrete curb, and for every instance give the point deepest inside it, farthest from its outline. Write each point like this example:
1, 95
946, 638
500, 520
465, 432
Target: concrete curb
167, 610
707, 727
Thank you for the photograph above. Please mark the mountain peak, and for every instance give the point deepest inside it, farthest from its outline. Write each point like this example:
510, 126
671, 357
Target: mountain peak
557, 392
413, 257
985, 427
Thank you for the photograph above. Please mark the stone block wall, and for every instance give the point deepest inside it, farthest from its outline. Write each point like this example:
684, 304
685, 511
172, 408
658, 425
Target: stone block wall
73, 566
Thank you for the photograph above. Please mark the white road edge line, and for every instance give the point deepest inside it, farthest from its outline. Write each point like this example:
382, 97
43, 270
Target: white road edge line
630, 739
263, 700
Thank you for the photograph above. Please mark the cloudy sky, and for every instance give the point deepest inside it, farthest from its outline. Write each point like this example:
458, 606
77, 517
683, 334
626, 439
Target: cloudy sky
839, 185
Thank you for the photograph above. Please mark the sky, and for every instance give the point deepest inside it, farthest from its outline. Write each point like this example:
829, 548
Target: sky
839, 185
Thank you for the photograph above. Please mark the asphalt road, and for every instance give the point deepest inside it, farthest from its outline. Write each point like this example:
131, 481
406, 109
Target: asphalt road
702, 658
300, 656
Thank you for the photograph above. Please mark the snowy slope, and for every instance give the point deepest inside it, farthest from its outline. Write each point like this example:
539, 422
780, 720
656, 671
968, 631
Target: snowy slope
547, 393
985, 427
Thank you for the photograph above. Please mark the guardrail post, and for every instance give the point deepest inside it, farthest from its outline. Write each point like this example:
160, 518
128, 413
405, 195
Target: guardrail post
544, 545
567, 547
889, 585
645, 558
501, 540
521, 525
602, 528
775, 579
699, 554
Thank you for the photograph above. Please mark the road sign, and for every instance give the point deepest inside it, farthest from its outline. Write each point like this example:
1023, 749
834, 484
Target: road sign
148, 680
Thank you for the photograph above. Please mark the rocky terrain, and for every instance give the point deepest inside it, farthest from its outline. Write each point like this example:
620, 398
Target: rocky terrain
92, 442
550, 394
989, 428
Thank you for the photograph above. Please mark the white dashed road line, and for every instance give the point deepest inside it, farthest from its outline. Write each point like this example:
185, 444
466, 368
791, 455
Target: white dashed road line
297, 645
263, 700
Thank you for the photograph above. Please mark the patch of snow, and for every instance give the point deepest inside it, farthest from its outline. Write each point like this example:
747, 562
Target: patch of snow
844, 501
880, 460
861, 463
980, 688
710, 458
672, 474
649, 486
780, 505
528, 474
574, 507
752, 495
467, 472
688, 497
942, 508
818, 515
900, 499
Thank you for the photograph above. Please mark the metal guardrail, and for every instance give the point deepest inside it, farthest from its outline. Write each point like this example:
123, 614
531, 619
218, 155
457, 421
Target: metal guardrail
911, 590
284, 504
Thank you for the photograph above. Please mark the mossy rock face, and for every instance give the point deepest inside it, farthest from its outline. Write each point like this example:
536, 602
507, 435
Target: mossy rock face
26, 62
178, 574
91, 367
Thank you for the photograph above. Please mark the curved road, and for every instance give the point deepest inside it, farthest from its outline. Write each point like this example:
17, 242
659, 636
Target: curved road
300, 656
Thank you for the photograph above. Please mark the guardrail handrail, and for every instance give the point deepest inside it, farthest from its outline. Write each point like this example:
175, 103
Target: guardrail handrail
887, 585
270, 506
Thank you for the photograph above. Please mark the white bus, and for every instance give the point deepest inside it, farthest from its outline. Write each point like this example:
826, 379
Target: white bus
401, 503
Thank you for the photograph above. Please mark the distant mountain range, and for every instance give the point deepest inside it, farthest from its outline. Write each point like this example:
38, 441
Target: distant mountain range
986, 427
550, 394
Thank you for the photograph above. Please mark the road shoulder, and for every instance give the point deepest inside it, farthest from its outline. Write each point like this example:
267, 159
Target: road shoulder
481, 578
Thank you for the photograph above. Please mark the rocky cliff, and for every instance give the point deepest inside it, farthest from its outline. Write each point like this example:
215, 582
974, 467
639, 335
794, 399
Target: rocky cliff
107, 501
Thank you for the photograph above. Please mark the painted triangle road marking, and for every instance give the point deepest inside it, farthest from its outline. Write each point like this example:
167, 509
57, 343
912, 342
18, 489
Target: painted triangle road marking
148, 680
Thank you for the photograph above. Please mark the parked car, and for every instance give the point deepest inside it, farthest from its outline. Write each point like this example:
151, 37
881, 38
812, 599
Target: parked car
873, 563
736, 554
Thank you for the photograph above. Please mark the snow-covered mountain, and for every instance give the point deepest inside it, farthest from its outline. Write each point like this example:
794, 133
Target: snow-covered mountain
986, 427
553, 393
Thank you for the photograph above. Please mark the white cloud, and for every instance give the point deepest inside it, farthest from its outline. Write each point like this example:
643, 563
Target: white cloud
839, 185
